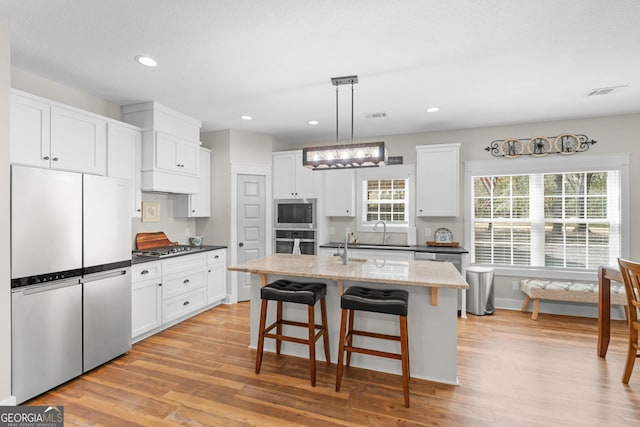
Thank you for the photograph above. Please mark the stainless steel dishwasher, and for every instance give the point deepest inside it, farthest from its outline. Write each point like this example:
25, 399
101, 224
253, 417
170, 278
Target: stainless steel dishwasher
46, 336
455, 259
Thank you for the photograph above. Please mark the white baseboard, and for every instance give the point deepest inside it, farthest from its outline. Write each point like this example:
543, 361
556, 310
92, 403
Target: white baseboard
563, 308
10, 401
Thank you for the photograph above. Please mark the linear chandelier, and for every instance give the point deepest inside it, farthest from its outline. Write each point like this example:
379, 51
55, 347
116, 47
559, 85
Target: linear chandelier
366, 154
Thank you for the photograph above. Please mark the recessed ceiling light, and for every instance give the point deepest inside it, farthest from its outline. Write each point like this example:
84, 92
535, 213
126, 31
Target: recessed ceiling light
246, 117
146, 60
432, 109
313, 122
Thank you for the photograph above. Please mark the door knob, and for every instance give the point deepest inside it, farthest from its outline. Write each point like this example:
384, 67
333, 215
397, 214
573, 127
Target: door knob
241, 244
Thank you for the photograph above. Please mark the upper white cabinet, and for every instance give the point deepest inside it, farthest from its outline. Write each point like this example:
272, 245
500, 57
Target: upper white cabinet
170, 148
173, 154
48, 134
291, 180
339, 192
197, 205
123, 159
437, 180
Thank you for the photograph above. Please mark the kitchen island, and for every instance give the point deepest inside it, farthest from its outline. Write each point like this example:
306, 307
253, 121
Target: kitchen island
432, 317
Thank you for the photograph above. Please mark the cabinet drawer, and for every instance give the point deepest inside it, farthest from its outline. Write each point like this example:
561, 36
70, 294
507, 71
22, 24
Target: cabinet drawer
184, 263
182, 305
177, 284
217, 257
146, 271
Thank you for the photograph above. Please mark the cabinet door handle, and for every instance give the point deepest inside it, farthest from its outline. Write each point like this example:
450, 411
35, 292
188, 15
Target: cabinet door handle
144, 272
45, 158
217, 256
55, 159
186, 303
185, 281
193, 210
241, 244
159, 284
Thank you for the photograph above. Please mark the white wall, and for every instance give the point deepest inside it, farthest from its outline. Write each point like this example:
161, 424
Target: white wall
5, 275
41, 86
177, 229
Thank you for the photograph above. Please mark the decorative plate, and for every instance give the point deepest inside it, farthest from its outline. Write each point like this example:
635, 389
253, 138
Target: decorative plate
511, 148
539, 146
443, 235
567, 143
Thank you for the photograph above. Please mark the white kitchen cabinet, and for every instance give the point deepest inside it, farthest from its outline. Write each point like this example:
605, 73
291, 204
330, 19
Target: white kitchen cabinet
216, 276
47, 134
30, 131
291, 180
183, 286
146, 298
169, 163
197, 205
438, 180
340, 193
124, 159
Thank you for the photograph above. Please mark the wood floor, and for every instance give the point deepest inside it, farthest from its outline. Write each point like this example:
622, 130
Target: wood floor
513, 372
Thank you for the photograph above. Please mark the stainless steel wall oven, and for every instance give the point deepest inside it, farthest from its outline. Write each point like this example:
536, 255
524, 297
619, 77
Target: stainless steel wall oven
285, 241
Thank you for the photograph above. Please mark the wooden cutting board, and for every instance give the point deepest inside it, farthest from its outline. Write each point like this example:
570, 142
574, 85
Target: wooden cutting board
152, 240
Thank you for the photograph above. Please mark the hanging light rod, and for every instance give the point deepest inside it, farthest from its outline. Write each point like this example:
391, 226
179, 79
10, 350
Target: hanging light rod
368, 154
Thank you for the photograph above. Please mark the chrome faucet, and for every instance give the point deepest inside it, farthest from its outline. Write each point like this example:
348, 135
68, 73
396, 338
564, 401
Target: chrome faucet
344, 254
384, 231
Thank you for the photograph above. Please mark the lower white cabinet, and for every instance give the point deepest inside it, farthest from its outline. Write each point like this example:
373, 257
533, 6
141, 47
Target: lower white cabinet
378, 255
169, 290
146, 298
216, 276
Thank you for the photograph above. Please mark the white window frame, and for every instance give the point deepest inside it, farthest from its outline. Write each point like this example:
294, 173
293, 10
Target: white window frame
385, 172
531, 165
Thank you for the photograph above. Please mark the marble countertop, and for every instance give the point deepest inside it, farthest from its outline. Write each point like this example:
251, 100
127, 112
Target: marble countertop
411, 248
414, 273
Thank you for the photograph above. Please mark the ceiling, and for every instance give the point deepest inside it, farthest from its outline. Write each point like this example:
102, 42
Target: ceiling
482, 62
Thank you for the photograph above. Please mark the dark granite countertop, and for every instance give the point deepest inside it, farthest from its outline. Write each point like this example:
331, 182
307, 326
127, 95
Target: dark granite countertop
410, 248
136, 259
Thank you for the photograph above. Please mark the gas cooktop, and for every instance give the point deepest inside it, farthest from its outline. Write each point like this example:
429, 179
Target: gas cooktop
167, 251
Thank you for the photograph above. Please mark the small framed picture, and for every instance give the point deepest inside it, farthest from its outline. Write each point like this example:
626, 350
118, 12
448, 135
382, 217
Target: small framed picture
150, 211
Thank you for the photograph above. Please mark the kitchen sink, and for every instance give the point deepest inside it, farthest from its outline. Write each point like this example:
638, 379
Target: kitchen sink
379, 246
353, 259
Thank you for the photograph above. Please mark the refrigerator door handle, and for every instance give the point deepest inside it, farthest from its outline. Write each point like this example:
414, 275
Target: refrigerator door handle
32, 290
102, 276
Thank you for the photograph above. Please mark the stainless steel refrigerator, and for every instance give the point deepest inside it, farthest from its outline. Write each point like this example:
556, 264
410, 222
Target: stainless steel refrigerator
70, 275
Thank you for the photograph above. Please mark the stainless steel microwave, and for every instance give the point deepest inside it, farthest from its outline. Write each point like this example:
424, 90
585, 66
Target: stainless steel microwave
295, 213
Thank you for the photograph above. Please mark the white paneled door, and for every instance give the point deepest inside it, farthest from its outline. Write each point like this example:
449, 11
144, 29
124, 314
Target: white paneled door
251, 226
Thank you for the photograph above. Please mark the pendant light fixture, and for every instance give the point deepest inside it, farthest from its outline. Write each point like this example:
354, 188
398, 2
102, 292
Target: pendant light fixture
367, 154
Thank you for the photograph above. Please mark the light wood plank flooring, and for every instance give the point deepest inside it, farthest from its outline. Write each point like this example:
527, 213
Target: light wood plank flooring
513, 372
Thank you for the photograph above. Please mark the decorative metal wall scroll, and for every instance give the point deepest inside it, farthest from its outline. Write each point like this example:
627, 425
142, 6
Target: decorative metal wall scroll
540, 146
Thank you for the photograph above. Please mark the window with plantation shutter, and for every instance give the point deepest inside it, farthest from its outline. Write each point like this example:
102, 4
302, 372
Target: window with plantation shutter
557, 220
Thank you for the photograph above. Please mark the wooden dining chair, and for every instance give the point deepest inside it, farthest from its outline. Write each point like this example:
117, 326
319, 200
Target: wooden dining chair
630, 272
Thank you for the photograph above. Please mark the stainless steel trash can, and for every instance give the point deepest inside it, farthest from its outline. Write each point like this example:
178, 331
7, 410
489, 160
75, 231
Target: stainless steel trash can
480, 299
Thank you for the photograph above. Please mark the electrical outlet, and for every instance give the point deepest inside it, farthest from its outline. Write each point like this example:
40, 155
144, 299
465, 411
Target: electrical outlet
427, 232
516, 285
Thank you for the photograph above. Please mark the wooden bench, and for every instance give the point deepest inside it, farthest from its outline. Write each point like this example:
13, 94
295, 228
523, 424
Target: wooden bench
564, 290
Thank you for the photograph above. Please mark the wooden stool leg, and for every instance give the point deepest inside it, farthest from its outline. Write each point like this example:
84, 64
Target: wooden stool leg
343, 329
536, 304
352, 314
279, 327
525, 304
404, 345
325, 330
263, 322
312, 345
632, 353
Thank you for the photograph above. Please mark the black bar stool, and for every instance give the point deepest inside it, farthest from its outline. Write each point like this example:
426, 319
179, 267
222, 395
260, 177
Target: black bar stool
297, 293
387, 301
